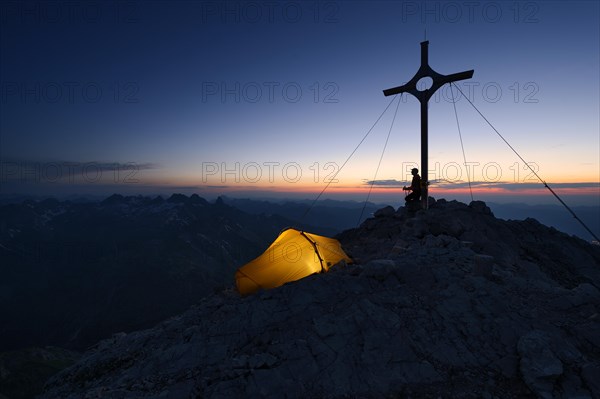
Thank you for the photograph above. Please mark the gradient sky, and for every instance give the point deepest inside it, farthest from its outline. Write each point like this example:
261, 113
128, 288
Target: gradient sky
269, 98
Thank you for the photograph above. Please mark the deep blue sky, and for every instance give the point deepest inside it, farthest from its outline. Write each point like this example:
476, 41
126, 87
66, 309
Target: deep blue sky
171, 88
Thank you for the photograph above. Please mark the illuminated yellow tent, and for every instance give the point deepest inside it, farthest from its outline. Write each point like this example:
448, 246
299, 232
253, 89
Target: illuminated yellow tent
292, 256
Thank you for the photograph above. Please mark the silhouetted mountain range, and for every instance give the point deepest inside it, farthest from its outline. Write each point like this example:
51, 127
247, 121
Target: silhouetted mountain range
553, 215
77, 271
330, 216
73, 273
449, 302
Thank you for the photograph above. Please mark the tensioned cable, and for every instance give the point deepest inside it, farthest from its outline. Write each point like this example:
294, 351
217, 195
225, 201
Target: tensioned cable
461, 141
379, 164
346, 161
530, 168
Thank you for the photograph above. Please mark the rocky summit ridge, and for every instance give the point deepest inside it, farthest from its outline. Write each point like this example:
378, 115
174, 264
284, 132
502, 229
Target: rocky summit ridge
451, 302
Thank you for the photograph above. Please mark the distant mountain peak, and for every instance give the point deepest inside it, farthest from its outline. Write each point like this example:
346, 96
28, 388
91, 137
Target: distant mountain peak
113, 199
196, 199
178, 198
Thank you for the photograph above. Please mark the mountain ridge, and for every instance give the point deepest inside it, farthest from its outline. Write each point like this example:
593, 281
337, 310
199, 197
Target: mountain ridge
73, 273
448, 302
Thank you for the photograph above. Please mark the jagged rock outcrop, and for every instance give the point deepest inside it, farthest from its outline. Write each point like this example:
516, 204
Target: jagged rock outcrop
515, 245
446, 303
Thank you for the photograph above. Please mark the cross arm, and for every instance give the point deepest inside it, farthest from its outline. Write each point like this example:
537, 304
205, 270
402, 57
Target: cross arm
457, 76
397, 90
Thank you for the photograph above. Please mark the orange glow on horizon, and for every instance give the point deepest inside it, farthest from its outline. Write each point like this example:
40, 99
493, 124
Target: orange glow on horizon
359, 188
433, 191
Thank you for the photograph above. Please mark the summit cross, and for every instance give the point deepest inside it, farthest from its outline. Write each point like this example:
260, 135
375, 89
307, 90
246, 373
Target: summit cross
423, 96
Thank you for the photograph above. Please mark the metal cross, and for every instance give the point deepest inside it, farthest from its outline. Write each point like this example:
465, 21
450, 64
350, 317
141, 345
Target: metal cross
423, 96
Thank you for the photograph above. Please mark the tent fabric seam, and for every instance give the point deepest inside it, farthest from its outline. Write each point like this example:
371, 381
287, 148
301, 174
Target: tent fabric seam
314, 244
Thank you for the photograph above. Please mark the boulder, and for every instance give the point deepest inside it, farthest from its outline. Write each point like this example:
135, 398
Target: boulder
480, 207
539, 366
483, 265
384, 212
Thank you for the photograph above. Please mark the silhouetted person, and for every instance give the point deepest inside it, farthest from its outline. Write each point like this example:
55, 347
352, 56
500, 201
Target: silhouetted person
415, 187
